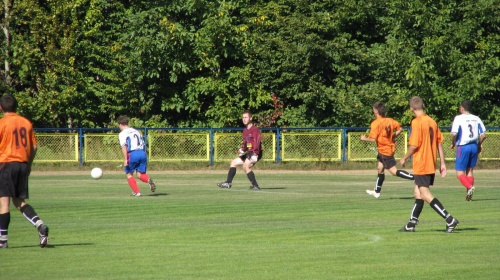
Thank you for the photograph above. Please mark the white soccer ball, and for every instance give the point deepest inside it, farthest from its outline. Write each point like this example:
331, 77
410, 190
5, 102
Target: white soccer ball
96, 173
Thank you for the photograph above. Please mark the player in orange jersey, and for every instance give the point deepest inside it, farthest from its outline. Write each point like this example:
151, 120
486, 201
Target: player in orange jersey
383, 131
425, 140
17, 151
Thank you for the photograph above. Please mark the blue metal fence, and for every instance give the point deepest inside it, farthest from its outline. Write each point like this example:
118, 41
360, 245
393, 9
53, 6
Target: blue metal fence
279, 134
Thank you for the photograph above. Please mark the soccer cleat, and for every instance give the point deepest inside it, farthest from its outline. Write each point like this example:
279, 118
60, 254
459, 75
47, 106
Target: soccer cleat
451, 226
470, 193
373, 193
152, 185
225, 185
255, 188
4, 245
136, 194
407, 229
43, 231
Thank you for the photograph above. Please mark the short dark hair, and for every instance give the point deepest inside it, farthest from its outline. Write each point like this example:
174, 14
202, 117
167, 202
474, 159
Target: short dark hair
8, 103
467, 105
123, 120
247, 112
380, 107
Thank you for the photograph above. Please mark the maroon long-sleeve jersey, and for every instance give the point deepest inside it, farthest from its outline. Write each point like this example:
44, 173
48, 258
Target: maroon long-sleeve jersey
251, 140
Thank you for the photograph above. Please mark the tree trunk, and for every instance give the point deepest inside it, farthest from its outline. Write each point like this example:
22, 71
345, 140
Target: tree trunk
6, 31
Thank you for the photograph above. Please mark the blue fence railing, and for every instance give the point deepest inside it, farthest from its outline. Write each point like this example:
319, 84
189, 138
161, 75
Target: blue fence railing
298, 143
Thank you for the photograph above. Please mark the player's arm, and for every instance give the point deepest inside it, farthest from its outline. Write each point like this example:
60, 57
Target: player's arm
442, 169
454, 131
125, 155
367, 139
411, 151
481, 140
256, 144
32, 157
33, 148
32, 154
453, 140
396, 134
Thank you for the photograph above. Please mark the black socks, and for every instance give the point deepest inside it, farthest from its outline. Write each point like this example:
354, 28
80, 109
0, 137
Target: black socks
379, 183
230, 174
404, 174
4, 224
30, 214
251, 177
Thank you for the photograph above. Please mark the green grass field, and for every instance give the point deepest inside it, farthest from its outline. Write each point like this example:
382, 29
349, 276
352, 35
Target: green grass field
301, 225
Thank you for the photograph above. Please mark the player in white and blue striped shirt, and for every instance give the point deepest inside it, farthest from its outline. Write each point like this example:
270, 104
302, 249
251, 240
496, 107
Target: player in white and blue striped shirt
134, 157
467, 134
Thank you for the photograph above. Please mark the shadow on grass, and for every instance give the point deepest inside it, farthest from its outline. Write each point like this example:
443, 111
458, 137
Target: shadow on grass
156, 194
273, 188
458, 230
485, 199
54, 245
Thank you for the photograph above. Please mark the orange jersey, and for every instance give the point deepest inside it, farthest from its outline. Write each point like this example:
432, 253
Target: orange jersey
17, 138
382, 130
425, 135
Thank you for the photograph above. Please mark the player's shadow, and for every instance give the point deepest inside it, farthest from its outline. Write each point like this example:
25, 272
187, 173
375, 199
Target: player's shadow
484, 199
157, 194
459, 229
54, 245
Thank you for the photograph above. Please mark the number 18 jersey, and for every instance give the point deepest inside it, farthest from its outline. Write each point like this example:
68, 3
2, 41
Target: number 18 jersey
17, 138
467, 127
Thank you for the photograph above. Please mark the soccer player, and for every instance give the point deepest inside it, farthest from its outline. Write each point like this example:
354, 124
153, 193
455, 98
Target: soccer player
382, 132
17, 151
425, 139
134, 156
467, 133
249, 153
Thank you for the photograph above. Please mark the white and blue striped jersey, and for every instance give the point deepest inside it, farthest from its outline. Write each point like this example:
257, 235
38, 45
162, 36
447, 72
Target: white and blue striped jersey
132, 138
468, 128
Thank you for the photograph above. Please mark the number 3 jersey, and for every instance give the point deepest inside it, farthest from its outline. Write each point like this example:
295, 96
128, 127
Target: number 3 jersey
467, 127
132, 138
16, 138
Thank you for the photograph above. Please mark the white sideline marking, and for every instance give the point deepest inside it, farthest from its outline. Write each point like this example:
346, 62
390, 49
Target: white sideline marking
374, 238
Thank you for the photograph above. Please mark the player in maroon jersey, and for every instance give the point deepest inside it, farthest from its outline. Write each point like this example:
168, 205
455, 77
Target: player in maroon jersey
249, 153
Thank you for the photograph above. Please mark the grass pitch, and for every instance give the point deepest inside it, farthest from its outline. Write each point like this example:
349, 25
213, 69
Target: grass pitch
301, 225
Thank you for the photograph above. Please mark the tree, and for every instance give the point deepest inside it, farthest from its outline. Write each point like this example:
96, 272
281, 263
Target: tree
5, 25
200, 63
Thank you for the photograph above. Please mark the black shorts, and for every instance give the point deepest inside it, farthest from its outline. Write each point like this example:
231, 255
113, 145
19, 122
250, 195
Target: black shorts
14, 179
249, 155
387, 161
424, 180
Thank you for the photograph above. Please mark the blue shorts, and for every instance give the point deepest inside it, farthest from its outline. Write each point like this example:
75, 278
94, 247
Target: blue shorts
137, 161
466, 157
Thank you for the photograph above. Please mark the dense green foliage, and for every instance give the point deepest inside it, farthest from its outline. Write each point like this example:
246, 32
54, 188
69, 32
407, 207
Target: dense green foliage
199, 63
